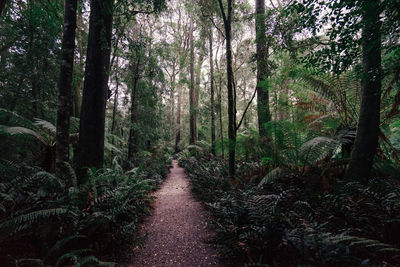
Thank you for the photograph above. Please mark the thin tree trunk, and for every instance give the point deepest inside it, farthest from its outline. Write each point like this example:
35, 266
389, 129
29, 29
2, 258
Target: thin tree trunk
172, 99
212, 95
227, 18
65, 83
178, 119
78, 88
115, 105
368, 124
264, 115
90, 152
133, 133
192, 91
31, 61
221, 126
197, 94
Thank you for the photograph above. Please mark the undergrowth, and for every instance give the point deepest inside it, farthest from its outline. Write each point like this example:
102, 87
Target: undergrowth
48, 220
291, 219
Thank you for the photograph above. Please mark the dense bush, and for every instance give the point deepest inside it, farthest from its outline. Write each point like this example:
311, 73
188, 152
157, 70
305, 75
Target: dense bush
49, 219
293, 219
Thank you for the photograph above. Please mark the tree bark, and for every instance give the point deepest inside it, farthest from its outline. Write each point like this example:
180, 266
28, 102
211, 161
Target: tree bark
133, 133
368, 124
172, 99
115, 105
264, 115
197, 94
227, 18
212, 95
78, 89
65, 83
192, 89
178, 120
221, 126
2, 6
90, 152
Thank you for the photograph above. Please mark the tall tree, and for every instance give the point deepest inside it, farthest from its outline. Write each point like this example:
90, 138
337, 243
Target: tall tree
262, 69
65, 82
227, 19
192, 89
90, 152
133, 132
368, 124
78, 87
212, 93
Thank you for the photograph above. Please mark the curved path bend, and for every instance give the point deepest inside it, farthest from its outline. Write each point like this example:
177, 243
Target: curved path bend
177, 230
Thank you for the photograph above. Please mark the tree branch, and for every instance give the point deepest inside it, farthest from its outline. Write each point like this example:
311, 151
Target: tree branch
245, 111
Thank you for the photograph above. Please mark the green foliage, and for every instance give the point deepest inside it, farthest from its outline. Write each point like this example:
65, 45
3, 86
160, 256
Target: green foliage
288, 220
52, 221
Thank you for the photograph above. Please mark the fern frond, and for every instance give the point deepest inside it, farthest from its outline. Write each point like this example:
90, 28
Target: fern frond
271, 176
24, 131
34, 216
29, 262
73, 255
318, 148
61, 243
45, 125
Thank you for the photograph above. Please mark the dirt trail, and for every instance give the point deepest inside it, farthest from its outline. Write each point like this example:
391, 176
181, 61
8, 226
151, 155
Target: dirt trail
177, 230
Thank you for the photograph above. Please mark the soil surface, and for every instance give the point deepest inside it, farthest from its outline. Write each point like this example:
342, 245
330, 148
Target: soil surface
177, 231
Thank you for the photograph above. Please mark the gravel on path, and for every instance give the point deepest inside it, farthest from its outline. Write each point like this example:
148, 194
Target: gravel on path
177, 231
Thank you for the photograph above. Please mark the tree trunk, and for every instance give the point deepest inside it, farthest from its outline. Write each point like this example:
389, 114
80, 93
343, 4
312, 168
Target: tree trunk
231, 102
90, 152
2, 6
133, 133
192, 90
65, 82
172, 99
264, 115
221, 126
212, 95
197, 94
178, 118
78, 88
115, 105
368, 123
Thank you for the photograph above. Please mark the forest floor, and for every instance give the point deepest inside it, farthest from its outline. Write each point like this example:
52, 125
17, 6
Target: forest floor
177, 232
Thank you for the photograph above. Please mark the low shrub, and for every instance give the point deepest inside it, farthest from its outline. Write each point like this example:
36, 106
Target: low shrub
290, 220
50, 220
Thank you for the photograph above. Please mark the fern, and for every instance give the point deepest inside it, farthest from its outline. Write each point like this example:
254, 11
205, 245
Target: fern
271, 176
318, 148
31, 262
45, 125
73, 256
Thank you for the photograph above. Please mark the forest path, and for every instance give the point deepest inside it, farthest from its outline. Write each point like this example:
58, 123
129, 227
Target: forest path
177, 230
